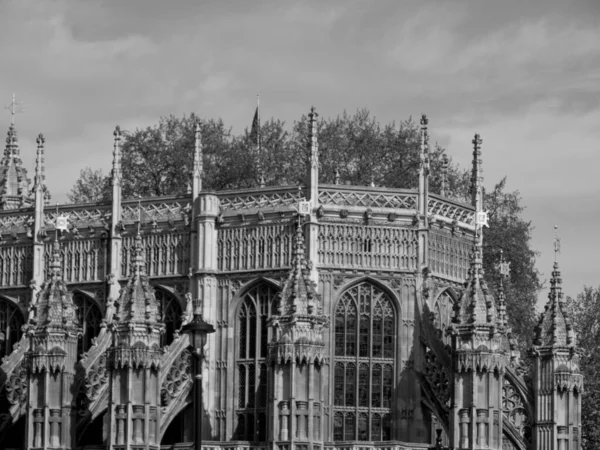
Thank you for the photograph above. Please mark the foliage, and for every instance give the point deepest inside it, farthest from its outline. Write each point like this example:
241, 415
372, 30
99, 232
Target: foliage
510, 235
91, 186
585, 316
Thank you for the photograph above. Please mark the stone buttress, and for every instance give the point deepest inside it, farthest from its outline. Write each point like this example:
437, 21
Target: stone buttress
53, 332
297, 355
134, 360
479, 356
557, 382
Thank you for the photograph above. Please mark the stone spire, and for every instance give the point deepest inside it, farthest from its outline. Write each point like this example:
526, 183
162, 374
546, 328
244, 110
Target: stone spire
55, 307
38, 181
477, 305
198, 168
14, 183
475, 170
479, 351
556, 374
137, 303
313, 163
444, 181
300, 319
297, 352
504, 273
54, 332
116, 163
135, 359
554, 328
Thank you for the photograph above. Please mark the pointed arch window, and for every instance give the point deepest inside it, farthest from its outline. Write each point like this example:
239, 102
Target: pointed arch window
364, 364
90, 319
11, 321
171, 313
251, 363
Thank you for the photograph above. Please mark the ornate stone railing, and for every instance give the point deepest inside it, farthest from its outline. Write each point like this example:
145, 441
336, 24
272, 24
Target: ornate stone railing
18, 221
80, 216
157, 209
451, 210
260, 198
367, 197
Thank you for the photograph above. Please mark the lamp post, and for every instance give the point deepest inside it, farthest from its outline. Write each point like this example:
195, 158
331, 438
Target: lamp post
199, 331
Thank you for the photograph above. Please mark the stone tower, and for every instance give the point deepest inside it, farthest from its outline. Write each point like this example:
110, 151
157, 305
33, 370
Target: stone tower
134, 364
53, 333
557, 382
297, 354
478, 355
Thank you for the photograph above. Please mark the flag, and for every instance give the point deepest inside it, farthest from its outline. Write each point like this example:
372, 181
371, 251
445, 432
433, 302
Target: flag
255, 131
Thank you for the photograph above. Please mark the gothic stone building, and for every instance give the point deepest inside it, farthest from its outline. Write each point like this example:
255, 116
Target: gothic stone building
350, 326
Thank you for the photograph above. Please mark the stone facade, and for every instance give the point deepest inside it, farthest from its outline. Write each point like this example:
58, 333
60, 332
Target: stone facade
348, 326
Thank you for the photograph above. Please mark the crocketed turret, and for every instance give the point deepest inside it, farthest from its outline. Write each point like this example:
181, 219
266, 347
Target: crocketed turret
55, 312
298, 352
557, 381
479, 346
554, 328
14, 184
54, 331
298, 326
135, 359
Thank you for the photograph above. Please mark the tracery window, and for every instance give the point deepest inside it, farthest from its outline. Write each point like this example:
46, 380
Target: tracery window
364, 364
11, 321
251, 363
171, 313
90, 318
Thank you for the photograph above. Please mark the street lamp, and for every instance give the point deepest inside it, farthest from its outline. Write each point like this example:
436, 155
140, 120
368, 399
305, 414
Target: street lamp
199, 331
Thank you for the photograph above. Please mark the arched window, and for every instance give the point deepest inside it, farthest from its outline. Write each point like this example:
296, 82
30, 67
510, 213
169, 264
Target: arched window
170, 310
251, 363
90, 318
364, 364
11, 321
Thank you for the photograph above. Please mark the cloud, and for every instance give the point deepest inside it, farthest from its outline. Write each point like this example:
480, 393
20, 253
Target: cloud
523, 74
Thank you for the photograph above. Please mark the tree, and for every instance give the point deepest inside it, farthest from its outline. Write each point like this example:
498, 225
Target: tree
91, 186
584, 312
510, 235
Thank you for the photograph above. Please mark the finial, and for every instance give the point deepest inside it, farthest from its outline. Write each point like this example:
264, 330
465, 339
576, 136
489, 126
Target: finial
39, 162
556, 244
198, 159
504, 268
476, 178
55, 263
138, 260
424, 163
116, 169
444, 181
337, 176
15, 108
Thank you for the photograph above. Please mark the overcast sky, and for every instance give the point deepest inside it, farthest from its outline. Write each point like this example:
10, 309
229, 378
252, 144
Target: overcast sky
525, 75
